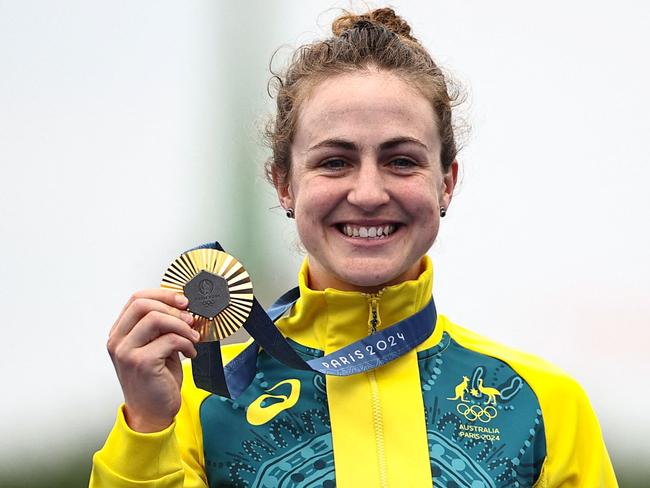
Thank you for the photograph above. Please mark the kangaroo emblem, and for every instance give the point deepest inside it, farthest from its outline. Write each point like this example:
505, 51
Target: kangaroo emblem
460, 390
489, 391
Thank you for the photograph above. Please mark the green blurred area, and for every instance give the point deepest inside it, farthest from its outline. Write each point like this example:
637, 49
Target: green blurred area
73, 470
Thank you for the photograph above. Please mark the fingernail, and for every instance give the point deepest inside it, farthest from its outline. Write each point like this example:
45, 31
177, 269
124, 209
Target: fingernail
196, 334
187, 317
181, 300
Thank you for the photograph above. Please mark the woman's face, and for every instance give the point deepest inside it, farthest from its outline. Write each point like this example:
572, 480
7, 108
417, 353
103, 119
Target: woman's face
366, 181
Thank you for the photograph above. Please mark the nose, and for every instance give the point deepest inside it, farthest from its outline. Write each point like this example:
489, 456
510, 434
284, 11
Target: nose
369, 190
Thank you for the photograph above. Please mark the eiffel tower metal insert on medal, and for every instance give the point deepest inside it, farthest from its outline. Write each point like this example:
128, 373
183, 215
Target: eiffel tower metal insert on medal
218, 288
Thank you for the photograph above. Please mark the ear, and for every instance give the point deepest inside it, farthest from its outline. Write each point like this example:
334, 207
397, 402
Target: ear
283, 189
448, 184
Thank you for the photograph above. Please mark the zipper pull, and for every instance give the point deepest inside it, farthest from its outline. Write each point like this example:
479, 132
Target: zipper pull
373, 316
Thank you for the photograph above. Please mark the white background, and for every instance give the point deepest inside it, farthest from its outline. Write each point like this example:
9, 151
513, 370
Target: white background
129, 131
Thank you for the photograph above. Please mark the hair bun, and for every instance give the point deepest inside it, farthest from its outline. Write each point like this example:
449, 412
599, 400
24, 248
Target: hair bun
385, 17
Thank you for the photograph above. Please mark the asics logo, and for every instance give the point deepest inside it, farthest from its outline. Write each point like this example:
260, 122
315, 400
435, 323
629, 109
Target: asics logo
267, 406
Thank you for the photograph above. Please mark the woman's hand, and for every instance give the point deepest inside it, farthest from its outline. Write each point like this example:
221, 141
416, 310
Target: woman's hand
144, 344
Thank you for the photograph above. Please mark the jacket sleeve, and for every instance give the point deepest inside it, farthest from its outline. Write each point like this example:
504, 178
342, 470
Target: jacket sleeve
576, 456
172, 458
576, 453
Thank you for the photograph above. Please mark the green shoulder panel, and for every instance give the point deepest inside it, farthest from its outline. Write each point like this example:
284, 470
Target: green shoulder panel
484, 422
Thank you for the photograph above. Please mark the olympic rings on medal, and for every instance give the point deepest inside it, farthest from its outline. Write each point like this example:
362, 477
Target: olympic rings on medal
476, 412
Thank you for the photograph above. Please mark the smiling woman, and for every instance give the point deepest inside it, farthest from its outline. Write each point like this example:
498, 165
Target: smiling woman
366, 175
364, 158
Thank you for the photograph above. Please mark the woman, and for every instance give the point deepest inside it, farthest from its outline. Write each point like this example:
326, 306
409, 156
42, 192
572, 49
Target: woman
364, 158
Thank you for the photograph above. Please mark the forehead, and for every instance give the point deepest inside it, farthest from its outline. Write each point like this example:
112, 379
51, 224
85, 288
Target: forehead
367, 107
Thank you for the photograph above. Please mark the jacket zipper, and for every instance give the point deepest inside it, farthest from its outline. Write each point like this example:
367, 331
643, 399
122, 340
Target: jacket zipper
374, 320
373, 316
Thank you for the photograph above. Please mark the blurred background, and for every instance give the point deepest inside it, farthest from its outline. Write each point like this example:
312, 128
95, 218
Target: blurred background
130, 131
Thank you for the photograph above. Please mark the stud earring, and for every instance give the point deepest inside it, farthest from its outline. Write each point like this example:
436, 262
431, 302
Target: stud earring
443, 211
291, 213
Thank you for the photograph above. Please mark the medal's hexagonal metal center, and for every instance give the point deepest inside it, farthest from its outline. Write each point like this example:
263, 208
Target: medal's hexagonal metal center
208, 294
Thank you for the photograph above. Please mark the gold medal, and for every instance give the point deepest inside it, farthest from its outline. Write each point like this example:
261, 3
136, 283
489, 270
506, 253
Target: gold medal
219, 290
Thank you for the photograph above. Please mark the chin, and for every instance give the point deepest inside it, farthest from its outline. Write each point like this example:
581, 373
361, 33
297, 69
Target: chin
365, 283
367, 274
370, 281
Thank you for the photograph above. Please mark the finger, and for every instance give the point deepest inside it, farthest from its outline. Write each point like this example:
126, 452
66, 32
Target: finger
168, 345
170, 297
139, 308
154, 325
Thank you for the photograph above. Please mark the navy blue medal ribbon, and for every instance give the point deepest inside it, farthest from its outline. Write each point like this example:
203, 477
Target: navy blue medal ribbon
365, 354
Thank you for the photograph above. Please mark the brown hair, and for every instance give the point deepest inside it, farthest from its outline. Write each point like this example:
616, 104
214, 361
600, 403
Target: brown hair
377, 39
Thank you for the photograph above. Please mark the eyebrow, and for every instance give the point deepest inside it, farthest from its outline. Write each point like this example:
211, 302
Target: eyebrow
351, 146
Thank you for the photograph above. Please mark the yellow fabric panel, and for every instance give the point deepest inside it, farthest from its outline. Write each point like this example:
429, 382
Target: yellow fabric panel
576, 454
353, 431
407, 449
130, 458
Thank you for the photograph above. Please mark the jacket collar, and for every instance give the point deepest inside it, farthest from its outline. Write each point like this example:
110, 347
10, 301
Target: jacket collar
330, 319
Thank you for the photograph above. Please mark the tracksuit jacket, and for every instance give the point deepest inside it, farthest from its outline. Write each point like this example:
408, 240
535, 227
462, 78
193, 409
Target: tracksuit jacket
458, 411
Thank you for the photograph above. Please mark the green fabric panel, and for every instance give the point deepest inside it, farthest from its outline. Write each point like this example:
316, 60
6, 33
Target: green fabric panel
480, 435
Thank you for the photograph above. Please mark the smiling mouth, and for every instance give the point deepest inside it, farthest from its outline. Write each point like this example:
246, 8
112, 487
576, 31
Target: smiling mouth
368, 231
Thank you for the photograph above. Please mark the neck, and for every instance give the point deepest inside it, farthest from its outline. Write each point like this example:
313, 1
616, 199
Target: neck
321, 279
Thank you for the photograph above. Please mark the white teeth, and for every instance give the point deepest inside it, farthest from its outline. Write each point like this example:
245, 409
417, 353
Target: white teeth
368, 232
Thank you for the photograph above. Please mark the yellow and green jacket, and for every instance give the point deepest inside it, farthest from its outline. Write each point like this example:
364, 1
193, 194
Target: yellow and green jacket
460, 411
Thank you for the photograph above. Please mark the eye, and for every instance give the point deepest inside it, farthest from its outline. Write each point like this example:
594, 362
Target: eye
402, 163
334, 164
